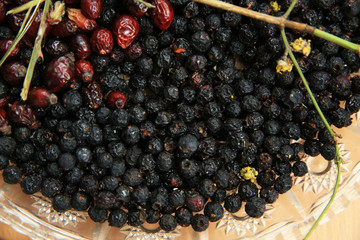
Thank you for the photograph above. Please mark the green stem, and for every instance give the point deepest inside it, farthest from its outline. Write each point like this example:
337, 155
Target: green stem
24, 7
36, 53
291, 7
149, 5
339, 41
338, 164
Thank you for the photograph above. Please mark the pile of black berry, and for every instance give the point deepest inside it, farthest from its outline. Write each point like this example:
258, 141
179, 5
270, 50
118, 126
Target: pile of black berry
183, 123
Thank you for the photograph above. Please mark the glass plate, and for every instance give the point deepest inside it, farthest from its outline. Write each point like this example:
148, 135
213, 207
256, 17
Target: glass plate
290, 217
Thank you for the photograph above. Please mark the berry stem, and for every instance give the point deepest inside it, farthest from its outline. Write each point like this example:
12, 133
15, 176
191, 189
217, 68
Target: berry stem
282, 22
36, 53
289, 10
25, 6
149, 5
334, 136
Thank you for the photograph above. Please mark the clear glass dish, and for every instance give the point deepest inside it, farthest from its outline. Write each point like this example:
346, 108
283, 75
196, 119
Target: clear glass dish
290, 217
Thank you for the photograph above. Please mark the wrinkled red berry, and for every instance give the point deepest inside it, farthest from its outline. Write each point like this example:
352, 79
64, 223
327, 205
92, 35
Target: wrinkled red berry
5, 128
22, 114
65, 28
2, 12
13, 72
41, 97
15, 20
135, 7
116, 100
134, 51
92, 95
163, 14
81, 21
102, 41
58, 74
84, 70
80, 45
125, 29
91, 8
5, 44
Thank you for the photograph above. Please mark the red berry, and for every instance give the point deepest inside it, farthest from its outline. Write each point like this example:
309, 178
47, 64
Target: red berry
41, 97
65, 28
5, 128
102, 41
134, 51
92, 95
125, 29
22, 114
135, 7
163, 14
13, 72
84, 70
91, 8
15, 21
2, 12
116, 100
81, 21
5, 45
59, 73
80, 45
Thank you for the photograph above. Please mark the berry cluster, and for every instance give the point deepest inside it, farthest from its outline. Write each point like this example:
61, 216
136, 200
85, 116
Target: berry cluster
174, 113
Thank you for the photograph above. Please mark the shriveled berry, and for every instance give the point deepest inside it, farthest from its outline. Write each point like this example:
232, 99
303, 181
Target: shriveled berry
255, 207
13, 72
61, 203
92, 95
102, 41
163, 14
116, 100
23, 114
58, 74
81, 21
125, 29
91, 8
199, 222
41, 97
11, 174
84, 70
117, 218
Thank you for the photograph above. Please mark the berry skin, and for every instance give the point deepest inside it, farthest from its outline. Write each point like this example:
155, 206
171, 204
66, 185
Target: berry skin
283, 183
117, 218
214, 211
11, 174
80, 45
194, 201
92, 94
81, 21
199, 222
98, 214
91, 8
84, 70
14, 72
58, 73
299, 168
5, 45
41, 97
125, 29
136, 8
188, 144
232, 203
31, 184
102, 41
61, 203
51, 187
65, 28
168, 222
80, 201
163, 14
255, 207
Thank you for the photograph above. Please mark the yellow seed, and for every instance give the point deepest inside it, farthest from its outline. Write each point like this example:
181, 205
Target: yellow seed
302, 46
284, 65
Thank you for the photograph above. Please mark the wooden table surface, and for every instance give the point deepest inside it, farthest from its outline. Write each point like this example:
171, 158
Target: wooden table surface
345, 225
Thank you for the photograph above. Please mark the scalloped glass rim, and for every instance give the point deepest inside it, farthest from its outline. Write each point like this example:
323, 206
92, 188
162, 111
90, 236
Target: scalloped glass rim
288, 218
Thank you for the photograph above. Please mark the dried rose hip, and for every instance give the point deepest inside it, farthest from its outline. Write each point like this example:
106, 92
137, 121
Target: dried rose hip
102, 41
22, 114
65, 28
135, 7
116, 100
5, 45
93, 95
13, 72
41, 97
5, 128
84, 70
125, 29
91, 8
59, 73
80, 45
15, 21
81, 21
163, 14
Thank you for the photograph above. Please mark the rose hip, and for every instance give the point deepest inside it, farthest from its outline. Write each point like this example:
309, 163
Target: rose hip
84, 70
134, 51
91, 8
59, 73
163, 14
13, 72
15, 21
102, 41
22, 114
5, 128
65, 28
81, 21
5, 44
56, 47
40, 97
135, 7
80, 45
92, 95
125, 29
116, 100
